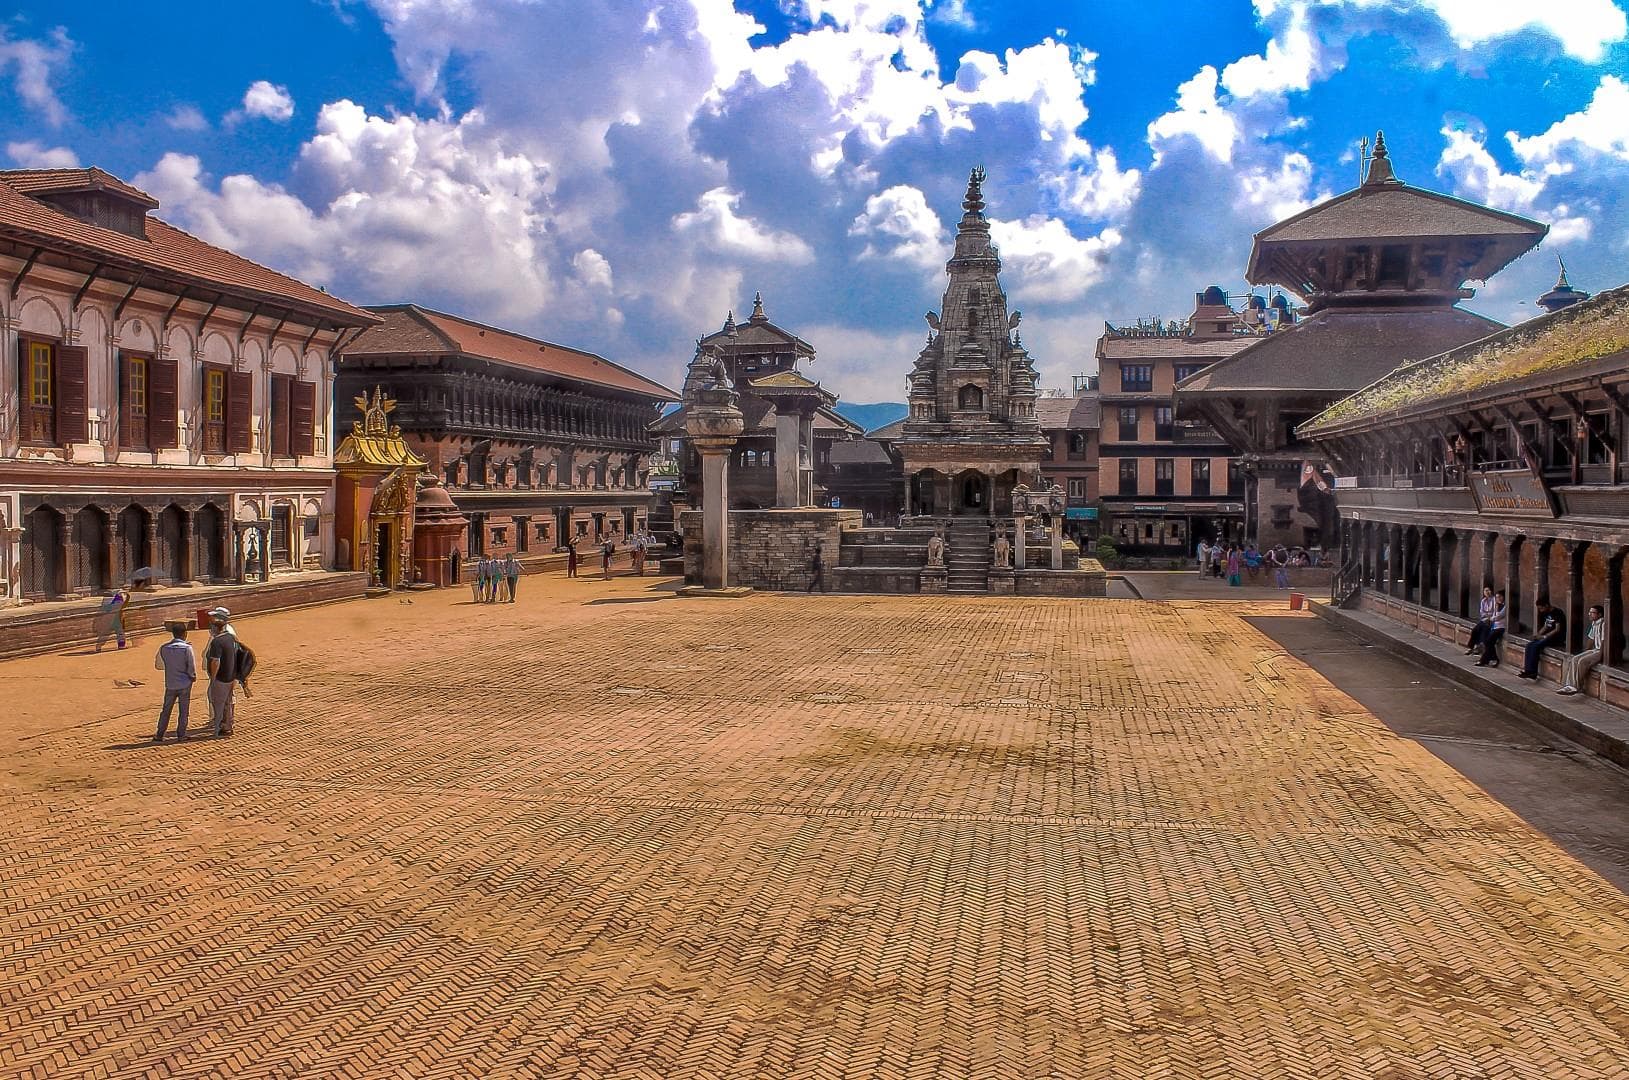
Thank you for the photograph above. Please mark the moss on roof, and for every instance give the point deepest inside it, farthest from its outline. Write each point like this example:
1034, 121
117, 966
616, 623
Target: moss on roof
1586, 331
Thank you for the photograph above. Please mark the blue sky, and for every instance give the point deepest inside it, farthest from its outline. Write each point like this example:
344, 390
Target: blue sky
616, 174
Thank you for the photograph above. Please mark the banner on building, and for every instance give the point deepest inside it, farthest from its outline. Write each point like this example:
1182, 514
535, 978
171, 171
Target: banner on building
1511, 493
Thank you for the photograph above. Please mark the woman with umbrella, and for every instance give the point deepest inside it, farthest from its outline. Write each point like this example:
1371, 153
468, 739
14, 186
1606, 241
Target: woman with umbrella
110, 623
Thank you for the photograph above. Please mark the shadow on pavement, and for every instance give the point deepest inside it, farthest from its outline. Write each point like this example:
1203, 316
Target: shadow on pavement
1577, 799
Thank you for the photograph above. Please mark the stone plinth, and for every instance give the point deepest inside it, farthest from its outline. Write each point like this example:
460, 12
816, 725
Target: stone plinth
934, 579
773, 549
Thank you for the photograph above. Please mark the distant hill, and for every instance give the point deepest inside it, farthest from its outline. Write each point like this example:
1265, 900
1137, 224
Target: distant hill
871, 417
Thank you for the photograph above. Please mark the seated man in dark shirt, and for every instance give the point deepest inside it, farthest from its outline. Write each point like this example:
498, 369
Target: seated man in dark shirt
1551, 633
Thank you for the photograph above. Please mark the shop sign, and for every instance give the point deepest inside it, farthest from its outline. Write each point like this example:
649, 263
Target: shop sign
1511, 493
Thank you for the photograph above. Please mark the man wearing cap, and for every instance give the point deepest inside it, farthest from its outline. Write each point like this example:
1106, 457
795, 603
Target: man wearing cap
221, 661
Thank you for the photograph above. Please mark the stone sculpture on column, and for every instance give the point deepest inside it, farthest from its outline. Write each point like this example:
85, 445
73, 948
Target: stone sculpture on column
713, 422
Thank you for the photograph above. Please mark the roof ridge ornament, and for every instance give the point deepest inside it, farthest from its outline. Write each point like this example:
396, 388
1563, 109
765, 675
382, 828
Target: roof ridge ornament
1380, 171
729, 320
1561, 282
758, 308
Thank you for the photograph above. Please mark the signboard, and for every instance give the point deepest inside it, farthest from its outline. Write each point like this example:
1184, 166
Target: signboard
1160, 509
1081, 513
1511, 493
1346, 481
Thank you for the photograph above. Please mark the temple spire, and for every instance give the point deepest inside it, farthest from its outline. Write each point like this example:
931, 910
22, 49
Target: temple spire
729, 320
1380, 164
1563, 295
1561, 281
973, 203
758, 308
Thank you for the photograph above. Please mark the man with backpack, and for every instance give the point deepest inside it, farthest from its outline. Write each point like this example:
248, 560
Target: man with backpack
221, 662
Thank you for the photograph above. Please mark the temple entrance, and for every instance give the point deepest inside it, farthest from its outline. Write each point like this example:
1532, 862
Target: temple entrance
972, 495
381, 556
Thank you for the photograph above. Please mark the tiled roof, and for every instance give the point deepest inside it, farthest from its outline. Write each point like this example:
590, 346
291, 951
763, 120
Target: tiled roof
858, 452
888, 432
408, 329
1396, 211
758, 417
1338, 350
167, 251
1070, 414
1115, 347
1594, 329
39, 181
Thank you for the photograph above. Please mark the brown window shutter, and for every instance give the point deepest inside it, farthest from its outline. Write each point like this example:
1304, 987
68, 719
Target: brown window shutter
124, 400
163, 397
22, 377
279, 415
303, 419
239, 408
73, 419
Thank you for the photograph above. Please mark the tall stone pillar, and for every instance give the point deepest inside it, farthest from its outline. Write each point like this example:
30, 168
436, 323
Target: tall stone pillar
788, 460
713, 422
1020, 540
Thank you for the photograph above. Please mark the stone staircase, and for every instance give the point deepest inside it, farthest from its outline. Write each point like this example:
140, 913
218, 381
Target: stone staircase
968, 564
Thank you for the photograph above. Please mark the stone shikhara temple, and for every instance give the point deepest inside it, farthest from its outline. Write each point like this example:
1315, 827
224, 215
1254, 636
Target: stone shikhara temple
971, 449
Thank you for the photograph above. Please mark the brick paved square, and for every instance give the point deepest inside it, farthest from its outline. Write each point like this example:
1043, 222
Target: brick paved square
595, 836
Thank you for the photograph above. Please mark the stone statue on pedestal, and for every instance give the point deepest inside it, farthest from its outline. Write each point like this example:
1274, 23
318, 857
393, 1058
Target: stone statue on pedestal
936, 550
1003, 552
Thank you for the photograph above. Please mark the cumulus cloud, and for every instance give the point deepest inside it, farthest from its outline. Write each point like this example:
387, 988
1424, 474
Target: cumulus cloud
899, 224
34, 155
1198, 115
724, 230
1045, 263
267, 101
34, 66
1583, 28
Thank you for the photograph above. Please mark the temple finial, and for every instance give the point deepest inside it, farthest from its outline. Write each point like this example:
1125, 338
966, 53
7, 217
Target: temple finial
758, 307
1561, 282
729, 320
973, 203
1380, 171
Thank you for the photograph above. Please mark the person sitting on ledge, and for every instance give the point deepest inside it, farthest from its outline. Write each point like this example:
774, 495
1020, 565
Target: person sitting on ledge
1495, 635
1552, 630
1484, 619
1576, 668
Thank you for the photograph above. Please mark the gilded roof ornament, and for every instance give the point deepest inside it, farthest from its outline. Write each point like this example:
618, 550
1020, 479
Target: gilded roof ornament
375, 413
1380, 171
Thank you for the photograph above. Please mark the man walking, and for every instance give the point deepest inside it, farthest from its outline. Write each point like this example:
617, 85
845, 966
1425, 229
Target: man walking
1202, 553
1280, 561
571, 558
180, 666
221, 662
511, 574
817, 571
606, 550
477, 579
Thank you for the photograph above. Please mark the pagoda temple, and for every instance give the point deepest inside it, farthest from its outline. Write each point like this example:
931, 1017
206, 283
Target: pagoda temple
1382, 269
972, 434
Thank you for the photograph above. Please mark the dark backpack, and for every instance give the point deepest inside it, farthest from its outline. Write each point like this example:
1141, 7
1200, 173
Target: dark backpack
246, 664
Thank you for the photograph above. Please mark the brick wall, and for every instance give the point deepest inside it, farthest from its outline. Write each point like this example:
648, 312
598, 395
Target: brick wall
28, 632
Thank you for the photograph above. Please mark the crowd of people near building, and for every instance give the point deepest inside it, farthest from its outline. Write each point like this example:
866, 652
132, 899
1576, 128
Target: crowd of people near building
1487, 638
1235, 561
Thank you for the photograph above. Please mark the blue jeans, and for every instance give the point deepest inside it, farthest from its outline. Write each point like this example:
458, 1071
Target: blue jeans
183, 700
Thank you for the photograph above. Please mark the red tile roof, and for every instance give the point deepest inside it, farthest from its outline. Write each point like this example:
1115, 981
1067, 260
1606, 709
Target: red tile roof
39, 181
165, 251
408, 328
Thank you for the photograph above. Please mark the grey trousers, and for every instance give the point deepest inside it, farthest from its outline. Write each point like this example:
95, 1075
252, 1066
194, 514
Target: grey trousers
1575, 669
182, 700
221, 705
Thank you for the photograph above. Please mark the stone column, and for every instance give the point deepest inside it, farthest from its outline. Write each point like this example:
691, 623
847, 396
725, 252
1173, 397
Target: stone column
1019, 541
1575, 594
1513, 584
1613, 601
713, 423
787, 460
1464, 605
806, 459
1541, 577
1057, 541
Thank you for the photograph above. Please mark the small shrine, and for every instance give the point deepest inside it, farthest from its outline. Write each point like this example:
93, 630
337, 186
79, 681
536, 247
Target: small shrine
376, 496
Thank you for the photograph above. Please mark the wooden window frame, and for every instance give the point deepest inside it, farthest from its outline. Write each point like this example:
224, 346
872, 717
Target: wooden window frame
1165, 485
1195, 480
31, 409
213, 427
135, 400
1123, 474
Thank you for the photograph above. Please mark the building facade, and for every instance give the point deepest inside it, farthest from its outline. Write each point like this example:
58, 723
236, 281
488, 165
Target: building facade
536, 443
972, 435
1071, 427
1502, 464
1166, 482
164, 404
1382, 269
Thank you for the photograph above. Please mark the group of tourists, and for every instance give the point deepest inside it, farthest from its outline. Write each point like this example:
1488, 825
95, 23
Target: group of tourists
495, 581
1487, 638
227, 665
638, 544
1234, 561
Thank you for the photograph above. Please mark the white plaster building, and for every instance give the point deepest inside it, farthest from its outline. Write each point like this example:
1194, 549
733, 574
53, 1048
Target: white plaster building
161, 399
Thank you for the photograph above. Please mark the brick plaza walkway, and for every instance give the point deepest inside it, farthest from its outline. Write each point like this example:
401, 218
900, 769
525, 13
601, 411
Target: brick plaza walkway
853, 837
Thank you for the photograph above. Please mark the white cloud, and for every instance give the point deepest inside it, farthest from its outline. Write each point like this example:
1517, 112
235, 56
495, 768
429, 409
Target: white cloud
33, 66
1198, 115
1584, 28
1287, 64
1283, 191
186, 118
724, 230
268, 101
405, 207
864, 364
592, 269
1602, 126
899, 224
34, 155
1045, 263
957, 13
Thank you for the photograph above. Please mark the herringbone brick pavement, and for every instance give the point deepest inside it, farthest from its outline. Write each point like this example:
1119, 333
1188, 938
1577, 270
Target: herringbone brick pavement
783, 837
